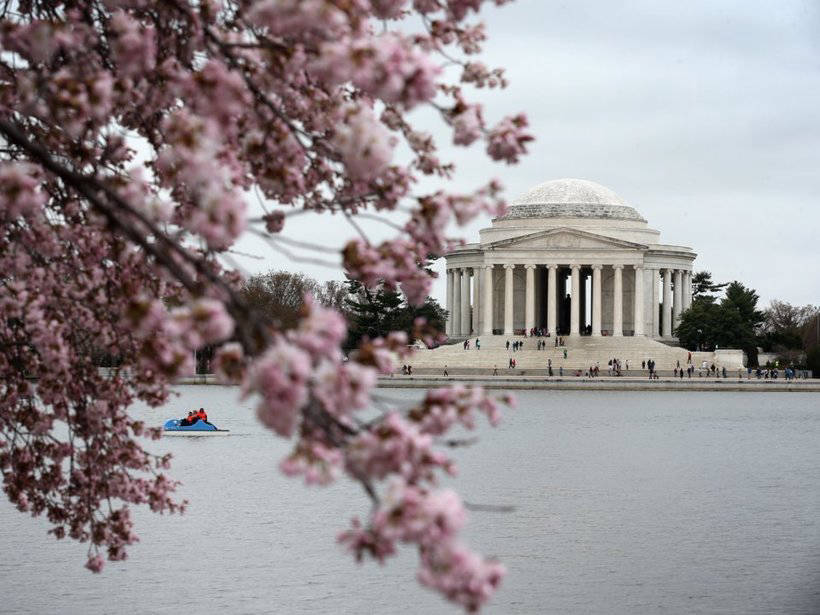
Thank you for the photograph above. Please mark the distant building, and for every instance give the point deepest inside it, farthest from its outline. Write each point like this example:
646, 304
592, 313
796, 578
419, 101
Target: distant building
572, 258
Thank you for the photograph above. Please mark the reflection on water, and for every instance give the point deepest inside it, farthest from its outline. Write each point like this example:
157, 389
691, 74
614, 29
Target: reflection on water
623, 503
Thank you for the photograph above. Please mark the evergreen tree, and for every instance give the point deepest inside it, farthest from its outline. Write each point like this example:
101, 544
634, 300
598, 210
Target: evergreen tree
370, 313
697, 329
702, 284
732, 323
374, 313
741, 320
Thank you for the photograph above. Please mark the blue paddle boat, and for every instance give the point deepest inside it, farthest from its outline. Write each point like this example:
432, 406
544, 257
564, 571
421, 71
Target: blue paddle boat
173, 427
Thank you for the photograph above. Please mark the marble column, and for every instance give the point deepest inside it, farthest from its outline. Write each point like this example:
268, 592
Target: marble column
678, 301
477, 313
596, 300
456, 327
465, 302
552, 313
508, 299
449, 328
618, 302
656, 304
667, 303
575, 295
529, 306
689, 289
639, 299
487, 308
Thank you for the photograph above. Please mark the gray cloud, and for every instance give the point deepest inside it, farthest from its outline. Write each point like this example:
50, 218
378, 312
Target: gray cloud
704, 116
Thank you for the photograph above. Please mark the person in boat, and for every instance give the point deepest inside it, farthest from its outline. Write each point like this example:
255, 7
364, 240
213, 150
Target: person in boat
189, 420
202, 415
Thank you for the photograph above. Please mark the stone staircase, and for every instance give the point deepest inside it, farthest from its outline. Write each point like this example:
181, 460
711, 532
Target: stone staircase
582, 352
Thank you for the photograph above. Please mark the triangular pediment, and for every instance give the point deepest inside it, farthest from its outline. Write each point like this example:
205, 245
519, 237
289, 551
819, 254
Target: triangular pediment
564, 238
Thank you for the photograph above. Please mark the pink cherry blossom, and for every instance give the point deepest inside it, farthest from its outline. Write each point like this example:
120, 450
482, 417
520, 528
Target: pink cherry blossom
320, 332
442, 408
414, 514
299, 17
363, 143
461, 575
507, 141
95, 563
134, 45
134, 137
389, 67
345, 388
387, 9
19, 188
467, 124
210, 320
280, 377
395, 447
318, 462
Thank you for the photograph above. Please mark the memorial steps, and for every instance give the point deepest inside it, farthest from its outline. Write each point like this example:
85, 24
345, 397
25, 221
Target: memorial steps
582, 352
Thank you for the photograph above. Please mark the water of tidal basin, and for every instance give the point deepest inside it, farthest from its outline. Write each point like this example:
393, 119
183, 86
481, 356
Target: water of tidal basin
624, 503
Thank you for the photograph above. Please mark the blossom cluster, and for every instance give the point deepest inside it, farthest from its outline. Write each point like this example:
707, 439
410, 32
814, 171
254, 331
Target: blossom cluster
413, 510
134, 134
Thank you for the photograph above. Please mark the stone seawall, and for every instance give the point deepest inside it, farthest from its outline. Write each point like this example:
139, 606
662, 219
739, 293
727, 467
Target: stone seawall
572, 383
575, 383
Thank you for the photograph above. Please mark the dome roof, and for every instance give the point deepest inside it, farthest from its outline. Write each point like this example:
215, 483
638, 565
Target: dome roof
571, 198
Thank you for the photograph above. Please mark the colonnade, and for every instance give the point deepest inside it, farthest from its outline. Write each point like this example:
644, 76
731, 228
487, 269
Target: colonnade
476, 317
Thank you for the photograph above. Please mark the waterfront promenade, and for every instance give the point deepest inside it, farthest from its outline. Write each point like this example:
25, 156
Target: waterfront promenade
534, 380
524, 380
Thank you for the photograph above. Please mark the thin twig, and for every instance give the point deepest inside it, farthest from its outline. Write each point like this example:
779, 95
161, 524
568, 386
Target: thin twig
369, 216
291, 255
353, 223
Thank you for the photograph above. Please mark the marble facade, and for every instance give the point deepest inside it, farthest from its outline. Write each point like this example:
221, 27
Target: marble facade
572, 258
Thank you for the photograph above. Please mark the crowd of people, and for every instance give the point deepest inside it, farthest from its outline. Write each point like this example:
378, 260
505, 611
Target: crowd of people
617, 367
772, 373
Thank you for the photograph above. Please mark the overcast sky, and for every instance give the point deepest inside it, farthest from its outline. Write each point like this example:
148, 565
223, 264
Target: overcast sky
704, 116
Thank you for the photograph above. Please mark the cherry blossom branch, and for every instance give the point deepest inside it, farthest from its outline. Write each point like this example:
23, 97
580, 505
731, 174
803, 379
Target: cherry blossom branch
90, 188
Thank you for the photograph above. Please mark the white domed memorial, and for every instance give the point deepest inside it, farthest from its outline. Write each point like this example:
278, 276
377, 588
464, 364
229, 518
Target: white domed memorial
569, 257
